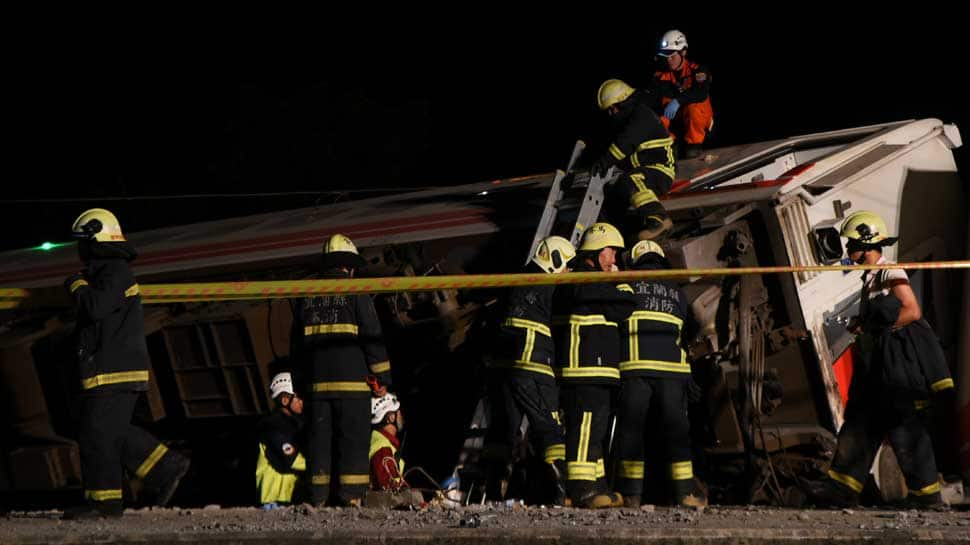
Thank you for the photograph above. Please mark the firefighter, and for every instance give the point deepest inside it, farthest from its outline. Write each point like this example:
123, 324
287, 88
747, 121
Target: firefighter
587, 356
525, 355
339, 340
900, 365
280, 465
114, 370
684, 90
654, 375
643, 152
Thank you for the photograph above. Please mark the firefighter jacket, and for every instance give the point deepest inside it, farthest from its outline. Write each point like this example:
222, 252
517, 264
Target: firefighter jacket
110, 331
386, 465
279, 460
691, 83
904, 365
525, 339
588, 337
338, 338
652, 334
641, 139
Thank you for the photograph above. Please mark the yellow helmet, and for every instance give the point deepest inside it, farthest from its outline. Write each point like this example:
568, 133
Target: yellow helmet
866, 227
645, 247
613, 91
599, 236
340, 251
553, 254
97, 224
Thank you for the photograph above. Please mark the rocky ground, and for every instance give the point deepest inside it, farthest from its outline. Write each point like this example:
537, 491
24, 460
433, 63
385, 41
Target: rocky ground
487, 524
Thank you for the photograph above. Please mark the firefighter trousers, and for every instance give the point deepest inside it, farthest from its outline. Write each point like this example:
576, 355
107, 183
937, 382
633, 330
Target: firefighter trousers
692, 122
652, 411
639, 188
110, 443
338, 442
587, 410
538, 400
865, 426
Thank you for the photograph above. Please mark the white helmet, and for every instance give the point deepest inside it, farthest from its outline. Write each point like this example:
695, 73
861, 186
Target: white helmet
380, 406
671, 42
282, 383
553, 254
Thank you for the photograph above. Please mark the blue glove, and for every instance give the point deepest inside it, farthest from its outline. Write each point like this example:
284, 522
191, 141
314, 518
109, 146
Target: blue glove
671, 109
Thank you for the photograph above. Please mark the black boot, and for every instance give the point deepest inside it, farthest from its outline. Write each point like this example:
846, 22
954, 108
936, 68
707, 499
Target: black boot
829, 493
559, 474
95, 510
691, 151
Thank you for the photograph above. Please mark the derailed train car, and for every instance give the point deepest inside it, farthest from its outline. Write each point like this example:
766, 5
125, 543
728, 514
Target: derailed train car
772, 353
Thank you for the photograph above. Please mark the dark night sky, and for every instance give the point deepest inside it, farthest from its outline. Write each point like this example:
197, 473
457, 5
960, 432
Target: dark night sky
219, 107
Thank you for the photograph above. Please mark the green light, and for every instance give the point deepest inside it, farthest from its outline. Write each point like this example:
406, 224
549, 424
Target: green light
48, 246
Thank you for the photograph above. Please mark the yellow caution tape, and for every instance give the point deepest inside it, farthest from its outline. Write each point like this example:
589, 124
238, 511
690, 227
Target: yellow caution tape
282, 289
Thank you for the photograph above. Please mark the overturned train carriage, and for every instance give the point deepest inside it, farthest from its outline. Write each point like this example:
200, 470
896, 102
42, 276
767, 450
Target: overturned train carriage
772, 353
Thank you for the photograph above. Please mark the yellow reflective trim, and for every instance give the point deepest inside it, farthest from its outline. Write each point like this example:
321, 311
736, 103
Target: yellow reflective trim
528, 324
921, 404
150, 462
657, 143
554, 452
330, 329
668, 171
616, 152
637, 179
593, 319
103, 495
681, 471
631, 469
534, 367
105, 379
581, 471
600, 469
632, 327
642, 198
355, 479
380, 367
299, 463
932, 488
654, 365
624, 287
656, 316
320, 479
589, 372
132, 291
555, 416
942, 384
77, 285
584, 429
341, 387
634, 160
847, 480
530, 344
574, 339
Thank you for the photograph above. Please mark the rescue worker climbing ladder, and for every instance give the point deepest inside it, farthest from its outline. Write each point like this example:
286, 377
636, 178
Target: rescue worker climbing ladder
113, 365
338, 339
643, 151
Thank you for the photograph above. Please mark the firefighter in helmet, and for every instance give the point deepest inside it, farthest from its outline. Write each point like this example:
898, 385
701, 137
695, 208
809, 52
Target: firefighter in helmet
338, 339
900, 367
524, 373
642, 151
280, 465
587, 357
113, 364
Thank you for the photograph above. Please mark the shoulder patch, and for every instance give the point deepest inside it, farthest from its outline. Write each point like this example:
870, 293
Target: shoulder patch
288, 449
700, 76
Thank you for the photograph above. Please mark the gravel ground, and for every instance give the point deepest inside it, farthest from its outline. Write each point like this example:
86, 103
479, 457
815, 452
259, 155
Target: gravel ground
302, 524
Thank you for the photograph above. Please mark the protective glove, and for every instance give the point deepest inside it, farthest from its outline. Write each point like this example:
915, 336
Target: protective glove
600, 167
671, 109
70, 280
